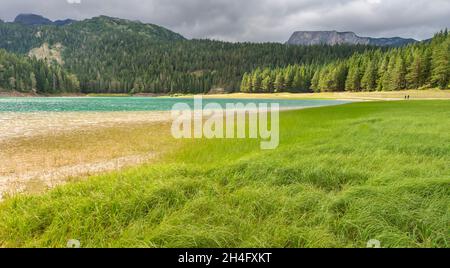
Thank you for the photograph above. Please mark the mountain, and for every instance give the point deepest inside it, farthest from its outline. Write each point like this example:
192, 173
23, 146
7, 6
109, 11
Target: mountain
103, 25
338, 38
38, 20
391, 42
24, 34
112, 55
32, 19
63, 22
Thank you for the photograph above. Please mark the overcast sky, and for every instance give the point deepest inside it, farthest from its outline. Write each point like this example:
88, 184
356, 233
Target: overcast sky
255, 20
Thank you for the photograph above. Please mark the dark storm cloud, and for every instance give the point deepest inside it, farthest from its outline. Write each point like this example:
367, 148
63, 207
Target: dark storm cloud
255, 20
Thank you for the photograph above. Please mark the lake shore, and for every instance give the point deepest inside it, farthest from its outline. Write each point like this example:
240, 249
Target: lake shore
40, 150
377, 95
43, 149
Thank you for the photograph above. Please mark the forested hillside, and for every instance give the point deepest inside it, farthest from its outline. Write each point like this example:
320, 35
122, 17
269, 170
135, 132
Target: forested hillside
19, 73
412, 67
110, 55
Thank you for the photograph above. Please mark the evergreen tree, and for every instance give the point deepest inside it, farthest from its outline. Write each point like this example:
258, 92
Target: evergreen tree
383, 73
288, 78
267, 84
298, 84
315, 81
256, 81
245, 85
398, 76
279, 82
339, 77
387, 79
370, 77
415, 74
353, 82
440, 76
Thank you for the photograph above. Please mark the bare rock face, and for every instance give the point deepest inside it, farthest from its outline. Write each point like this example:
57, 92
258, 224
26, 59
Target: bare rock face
326, 37
50, 54
310, 38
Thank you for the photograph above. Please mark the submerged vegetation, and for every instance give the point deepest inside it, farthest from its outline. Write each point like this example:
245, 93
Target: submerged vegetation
342, 175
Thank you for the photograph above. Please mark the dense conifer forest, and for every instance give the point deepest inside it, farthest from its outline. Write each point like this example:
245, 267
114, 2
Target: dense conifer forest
20, 73
422, 65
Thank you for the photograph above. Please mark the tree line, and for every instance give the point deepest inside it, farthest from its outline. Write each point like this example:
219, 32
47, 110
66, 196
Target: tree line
415, 66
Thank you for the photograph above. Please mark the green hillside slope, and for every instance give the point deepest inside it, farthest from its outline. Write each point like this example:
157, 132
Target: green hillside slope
110, 55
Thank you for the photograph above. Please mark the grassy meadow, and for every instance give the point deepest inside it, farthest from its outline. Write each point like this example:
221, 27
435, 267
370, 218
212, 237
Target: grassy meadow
342, 175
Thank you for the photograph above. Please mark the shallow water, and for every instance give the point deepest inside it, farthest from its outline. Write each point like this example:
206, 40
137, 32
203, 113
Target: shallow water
25, 117
104, 104
27, 124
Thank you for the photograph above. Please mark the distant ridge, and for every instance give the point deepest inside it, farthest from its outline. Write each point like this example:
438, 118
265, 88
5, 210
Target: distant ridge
36, 20
338, 38
63, 22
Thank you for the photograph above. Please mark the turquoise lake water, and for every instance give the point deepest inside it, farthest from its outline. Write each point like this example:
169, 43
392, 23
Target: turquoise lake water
113, 104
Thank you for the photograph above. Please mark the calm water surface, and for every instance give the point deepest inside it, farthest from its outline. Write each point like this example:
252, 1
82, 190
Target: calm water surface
114, 104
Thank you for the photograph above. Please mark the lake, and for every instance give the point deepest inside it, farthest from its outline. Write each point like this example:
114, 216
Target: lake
133, 104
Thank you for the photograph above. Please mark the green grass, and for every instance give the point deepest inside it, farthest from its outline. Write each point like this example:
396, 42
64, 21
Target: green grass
341, 176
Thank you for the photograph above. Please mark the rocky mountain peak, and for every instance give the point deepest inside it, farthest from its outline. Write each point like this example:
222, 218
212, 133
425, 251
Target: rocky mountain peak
338, 38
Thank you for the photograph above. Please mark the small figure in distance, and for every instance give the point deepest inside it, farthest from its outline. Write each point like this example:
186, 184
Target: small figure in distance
408, 97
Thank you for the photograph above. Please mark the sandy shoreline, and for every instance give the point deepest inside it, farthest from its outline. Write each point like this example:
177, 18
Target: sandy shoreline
430, 94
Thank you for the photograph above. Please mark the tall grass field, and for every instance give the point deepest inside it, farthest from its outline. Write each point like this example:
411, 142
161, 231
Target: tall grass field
341, 176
